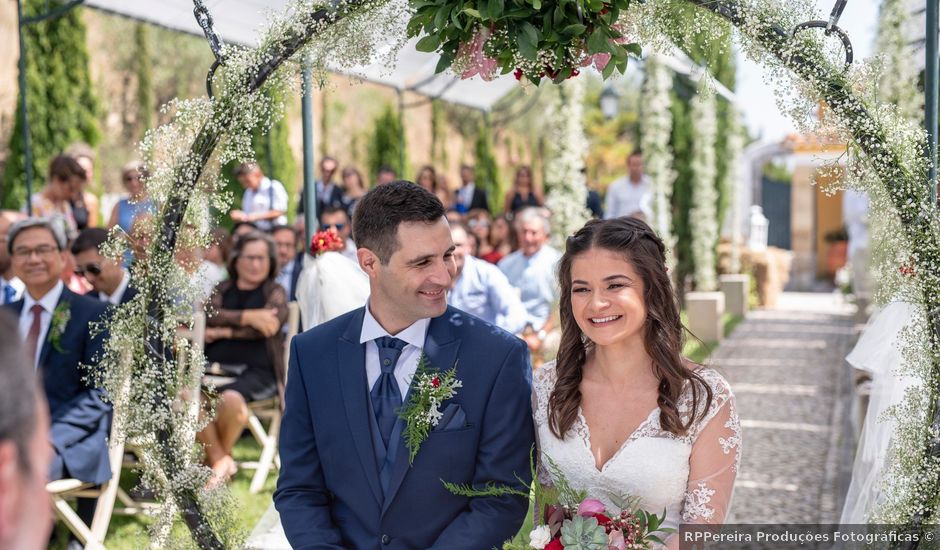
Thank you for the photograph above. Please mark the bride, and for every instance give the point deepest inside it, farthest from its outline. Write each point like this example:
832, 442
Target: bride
620, 411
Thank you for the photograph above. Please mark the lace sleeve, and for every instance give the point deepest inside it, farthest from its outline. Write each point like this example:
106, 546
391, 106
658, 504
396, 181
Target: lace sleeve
543, 381
713, 464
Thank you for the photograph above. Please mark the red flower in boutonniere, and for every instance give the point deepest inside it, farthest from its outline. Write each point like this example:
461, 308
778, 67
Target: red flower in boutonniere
326, 241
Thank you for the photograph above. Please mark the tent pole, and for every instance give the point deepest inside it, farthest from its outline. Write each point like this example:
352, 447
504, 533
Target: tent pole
24, 111
310, 185
401, 136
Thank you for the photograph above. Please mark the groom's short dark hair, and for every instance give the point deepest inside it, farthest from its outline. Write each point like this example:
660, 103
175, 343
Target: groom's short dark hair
380, 211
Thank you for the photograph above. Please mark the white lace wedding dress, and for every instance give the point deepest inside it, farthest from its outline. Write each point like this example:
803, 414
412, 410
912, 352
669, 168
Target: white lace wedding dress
691, 477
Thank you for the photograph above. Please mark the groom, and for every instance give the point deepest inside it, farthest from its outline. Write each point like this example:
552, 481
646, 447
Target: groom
346, 481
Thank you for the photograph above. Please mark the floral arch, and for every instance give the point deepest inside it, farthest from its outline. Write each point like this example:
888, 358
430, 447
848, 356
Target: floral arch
145, 364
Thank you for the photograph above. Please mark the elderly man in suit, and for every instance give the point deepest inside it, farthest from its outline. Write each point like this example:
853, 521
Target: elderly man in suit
56, 327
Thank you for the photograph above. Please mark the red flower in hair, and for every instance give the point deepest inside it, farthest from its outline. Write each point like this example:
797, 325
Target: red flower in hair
326, 241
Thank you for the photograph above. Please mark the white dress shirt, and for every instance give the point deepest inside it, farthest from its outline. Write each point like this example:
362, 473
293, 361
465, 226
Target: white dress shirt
625, 197
48, 303
284, 276
269, 196
407, 365
16, 284
115, 298
465, 194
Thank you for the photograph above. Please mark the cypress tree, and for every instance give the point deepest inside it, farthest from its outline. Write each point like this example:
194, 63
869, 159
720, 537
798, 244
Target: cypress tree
144, 66
63, 108
387, 145
487, 170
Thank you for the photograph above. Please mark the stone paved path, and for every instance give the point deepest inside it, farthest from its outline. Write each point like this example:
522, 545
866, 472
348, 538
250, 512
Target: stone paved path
793, 392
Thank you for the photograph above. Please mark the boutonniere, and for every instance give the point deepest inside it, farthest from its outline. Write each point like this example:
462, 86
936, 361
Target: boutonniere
423, 410
60, 318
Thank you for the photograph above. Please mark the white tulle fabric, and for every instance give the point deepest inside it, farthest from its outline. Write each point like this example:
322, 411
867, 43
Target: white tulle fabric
691, 477
330, 285
877, 351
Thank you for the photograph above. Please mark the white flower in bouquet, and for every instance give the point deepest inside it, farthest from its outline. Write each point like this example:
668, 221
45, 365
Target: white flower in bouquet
540, 537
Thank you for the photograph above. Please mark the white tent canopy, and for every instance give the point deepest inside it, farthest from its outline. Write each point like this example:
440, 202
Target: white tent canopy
238, 21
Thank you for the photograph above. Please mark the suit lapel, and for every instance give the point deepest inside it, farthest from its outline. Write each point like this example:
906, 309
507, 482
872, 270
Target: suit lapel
46, 343
353, 385
440, 347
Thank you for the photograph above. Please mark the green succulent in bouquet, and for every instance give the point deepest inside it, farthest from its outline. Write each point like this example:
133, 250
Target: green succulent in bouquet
580, 533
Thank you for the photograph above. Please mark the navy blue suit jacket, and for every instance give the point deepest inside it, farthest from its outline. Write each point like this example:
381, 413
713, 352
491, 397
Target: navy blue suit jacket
129, 294
329, 494
80, 418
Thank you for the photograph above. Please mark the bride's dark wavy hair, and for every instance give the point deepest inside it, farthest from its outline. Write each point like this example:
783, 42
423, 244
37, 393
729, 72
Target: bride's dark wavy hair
662, 337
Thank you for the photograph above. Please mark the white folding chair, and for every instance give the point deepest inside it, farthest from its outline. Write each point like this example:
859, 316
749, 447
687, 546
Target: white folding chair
270, 410
63, 490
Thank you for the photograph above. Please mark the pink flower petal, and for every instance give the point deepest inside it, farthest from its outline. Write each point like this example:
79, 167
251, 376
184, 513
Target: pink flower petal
616, 540
590, 506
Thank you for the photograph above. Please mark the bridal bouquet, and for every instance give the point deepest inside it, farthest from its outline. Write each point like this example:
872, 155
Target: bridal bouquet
572, 521
592, 527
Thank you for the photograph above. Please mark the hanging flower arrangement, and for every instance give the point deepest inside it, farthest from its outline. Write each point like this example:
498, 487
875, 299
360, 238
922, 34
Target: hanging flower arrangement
529, 38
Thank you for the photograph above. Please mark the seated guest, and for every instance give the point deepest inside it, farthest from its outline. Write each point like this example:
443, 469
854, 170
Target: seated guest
11, 287
289, 261
481, 289
336, 220
136, 202
55, 325
85, 206
244, 332
54, 200
531, 269
386, 174
110, 281
478, 222
524, 192
25, 511
500, 240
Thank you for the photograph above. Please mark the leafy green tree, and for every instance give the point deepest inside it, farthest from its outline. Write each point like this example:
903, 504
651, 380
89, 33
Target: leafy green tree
62, 105
487, 170
387, 144
144, 66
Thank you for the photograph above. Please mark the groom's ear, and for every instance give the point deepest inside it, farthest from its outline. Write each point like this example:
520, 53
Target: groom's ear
368, 261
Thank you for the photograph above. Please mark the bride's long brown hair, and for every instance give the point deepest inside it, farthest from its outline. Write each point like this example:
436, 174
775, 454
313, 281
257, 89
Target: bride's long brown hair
662, 335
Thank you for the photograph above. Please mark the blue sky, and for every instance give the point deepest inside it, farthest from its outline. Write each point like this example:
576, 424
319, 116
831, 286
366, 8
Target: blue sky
763, 118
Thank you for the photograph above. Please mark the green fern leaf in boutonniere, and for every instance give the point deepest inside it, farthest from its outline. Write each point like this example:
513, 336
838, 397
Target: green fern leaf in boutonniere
423, 410
60, 318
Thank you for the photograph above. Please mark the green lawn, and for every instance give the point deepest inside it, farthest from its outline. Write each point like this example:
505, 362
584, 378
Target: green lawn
130, 533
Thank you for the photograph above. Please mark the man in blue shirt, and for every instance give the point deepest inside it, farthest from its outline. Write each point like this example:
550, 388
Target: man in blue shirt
481, 289
531, 269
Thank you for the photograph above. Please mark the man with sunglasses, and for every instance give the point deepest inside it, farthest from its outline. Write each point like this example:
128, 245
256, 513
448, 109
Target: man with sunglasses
337, 220
110, 281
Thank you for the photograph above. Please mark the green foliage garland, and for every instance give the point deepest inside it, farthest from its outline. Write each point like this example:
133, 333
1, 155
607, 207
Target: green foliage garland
537, 41
63, 108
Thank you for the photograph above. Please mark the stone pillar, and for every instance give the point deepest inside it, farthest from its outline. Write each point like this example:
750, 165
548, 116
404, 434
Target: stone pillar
803, 227
736, 289
705, 310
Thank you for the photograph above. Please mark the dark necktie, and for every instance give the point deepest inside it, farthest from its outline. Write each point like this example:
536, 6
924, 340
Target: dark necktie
386, 397
8, 293
32, 337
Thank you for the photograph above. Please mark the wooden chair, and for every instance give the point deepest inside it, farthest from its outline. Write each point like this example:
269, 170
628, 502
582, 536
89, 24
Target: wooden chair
269, 410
